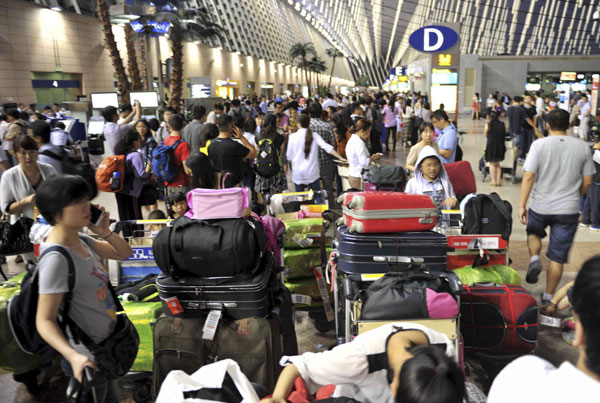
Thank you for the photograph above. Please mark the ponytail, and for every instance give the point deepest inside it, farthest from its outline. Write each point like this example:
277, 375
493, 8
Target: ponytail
308, 139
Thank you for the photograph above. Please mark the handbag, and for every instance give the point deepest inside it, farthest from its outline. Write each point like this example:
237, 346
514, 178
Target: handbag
116, 354
207, 204
14, 238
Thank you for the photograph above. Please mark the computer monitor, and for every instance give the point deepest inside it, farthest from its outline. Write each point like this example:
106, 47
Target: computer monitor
101, 100
68, 124
148, 99
96, 126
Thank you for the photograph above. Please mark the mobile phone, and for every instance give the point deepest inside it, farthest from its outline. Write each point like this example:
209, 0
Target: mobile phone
97, 215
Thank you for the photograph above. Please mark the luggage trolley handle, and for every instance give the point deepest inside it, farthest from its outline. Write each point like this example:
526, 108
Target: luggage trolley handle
389, 260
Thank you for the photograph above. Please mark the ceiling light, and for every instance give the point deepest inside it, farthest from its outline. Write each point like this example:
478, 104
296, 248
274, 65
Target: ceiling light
596, 15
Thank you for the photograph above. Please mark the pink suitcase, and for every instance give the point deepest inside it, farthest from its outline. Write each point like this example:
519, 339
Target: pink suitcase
371, 212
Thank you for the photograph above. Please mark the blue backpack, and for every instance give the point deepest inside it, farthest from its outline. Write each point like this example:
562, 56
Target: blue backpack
164, 163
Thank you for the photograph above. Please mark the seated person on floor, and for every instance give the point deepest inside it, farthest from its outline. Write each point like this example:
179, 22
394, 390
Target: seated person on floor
397, 362
432, 180
533, 379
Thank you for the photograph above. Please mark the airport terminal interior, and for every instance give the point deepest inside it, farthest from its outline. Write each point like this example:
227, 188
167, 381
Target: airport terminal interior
351, 200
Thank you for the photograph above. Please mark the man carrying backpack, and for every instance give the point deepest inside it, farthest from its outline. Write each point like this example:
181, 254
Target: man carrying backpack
180, 154
228, 155
557, 172
237, 113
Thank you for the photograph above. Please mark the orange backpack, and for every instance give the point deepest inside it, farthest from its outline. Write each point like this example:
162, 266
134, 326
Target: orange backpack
105, 171
341, 144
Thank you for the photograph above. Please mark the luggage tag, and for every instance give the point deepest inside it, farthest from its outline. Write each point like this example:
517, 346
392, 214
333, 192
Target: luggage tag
550, 321
324, 294
303, 243
174, 305
212, 322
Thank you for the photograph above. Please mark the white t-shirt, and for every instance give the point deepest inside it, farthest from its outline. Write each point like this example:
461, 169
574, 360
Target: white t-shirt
583, 110
358, 155
533, 379
329, 102
490, 102
113, 133
305, 170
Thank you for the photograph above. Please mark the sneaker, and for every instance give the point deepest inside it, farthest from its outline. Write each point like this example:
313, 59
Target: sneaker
584, 225
595, 229
520, 161
535, 268
542, 299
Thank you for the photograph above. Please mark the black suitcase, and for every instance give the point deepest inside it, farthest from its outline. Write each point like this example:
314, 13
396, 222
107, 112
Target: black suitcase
382, 253
239, 297
95, 145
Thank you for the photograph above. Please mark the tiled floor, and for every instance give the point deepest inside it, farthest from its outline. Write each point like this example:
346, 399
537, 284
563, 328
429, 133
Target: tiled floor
550, 344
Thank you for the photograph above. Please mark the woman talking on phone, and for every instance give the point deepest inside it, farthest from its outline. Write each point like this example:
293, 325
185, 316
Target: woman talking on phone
358, 154
93, 314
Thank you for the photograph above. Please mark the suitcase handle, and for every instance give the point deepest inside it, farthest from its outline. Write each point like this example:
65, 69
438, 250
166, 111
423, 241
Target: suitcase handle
211, 305
398, 259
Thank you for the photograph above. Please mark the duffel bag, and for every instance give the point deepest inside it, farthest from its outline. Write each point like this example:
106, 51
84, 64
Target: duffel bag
415, 294
215, 248
497, 273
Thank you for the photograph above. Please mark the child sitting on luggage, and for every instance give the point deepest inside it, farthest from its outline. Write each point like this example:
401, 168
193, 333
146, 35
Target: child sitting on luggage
396, 362
178, 205
432, 180
156, 215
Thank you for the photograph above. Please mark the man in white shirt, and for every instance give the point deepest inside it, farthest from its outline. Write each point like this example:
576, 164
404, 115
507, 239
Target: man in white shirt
213, 115
114, 132
329, 101
584, 117
533, 379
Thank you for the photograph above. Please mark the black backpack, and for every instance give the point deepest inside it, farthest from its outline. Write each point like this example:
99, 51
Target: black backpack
488, 214
22, 308
73, 166
267, 161
238, 118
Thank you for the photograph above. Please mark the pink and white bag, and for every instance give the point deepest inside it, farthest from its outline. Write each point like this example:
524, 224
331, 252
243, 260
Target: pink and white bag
208, 204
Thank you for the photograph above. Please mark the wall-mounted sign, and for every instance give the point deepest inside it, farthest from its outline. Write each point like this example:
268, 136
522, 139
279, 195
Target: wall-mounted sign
266, 85
227, 83
157, 27
433, 38
568, 76
55, 83
444, 77
445, 59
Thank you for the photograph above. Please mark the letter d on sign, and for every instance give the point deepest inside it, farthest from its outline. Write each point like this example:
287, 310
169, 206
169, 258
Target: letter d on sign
427, 46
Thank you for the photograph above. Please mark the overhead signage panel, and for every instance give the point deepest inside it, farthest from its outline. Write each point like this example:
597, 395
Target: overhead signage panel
433, 39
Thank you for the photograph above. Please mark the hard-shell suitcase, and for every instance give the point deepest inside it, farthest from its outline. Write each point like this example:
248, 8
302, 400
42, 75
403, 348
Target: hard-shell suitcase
498, 319
382, 253
239, 297
254, 343
370, 212
143, 315
462, 178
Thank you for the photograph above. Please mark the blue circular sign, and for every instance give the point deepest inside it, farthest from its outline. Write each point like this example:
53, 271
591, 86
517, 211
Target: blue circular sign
433, 39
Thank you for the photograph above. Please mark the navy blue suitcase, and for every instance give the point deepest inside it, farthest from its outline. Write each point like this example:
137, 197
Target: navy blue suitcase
385, 252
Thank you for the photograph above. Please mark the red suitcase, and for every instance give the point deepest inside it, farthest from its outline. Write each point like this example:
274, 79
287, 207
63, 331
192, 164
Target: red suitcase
498, 320
462, 178
371, 212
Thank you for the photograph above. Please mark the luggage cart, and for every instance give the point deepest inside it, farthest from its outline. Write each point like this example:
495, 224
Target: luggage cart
480, 249
349, 306
141, 262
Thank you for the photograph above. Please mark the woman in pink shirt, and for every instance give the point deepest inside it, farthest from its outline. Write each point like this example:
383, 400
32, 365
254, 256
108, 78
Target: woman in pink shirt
389, 121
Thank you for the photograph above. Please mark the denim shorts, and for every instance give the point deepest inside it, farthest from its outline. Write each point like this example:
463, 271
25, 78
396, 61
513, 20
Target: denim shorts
519, 140
562, 232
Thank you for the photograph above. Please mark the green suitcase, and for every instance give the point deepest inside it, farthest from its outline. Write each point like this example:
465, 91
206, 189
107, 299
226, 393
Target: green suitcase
143, 315
303, 233
299, 263
305, 292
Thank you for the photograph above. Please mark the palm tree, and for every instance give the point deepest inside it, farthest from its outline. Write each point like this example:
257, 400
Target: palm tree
300, 52
111, 46
132, 62
333, 53
317, 66
186, 25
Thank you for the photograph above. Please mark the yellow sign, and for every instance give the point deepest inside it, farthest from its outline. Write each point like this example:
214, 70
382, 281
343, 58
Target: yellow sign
444, 60
403, 79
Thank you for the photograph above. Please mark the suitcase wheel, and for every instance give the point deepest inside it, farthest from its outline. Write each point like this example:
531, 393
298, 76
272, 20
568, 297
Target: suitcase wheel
143, 392
321, 322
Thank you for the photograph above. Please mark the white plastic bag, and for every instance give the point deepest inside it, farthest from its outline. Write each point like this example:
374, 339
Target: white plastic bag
209, 376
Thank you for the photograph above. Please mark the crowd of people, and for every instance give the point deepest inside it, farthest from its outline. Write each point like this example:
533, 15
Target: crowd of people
291, 142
